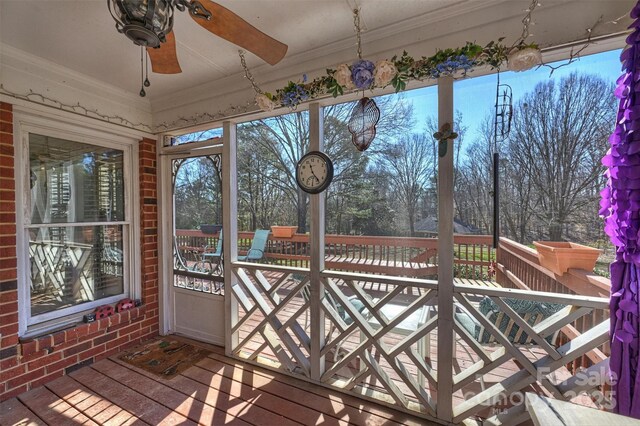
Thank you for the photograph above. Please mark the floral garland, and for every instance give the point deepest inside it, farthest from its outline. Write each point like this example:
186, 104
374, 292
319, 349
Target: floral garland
398, 71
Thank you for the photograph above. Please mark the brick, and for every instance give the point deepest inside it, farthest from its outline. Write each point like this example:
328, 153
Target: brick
62, 364
8, 352
45, 360
25, 378
6, 140
8, 363
114, 320
8, 285
46, 379
9, 341
12, 372
9, 329
9, 296
33, 355
107, 354
117, 342
6, 127
66, 344
78, 348
91, 353
71, 334
130, 329
58, 338
78, 366
45, 342
105, 338
8, 274
12, 393
29, 347
7, 240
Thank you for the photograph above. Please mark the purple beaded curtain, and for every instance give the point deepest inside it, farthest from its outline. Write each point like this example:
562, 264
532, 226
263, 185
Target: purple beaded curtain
621, 211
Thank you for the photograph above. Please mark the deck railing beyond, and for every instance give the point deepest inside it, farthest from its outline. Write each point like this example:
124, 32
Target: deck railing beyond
518, 267
402, 256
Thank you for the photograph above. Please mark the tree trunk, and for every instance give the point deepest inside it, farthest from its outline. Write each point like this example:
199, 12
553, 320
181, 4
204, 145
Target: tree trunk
555, 231
302, 211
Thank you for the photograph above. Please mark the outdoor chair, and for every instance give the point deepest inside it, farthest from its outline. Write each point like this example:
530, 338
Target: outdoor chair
337, 308
533, 312
258, 246
214, 258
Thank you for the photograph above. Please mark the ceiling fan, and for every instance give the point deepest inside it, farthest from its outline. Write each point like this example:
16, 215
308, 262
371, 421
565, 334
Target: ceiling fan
149, 23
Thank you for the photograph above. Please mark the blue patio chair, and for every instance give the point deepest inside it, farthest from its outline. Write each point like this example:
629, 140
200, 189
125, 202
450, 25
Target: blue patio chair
213, 258
337, 308
258, 246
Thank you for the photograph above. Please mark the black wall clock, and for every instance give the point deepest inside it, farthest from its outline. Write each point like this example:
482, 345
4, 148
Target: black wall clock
314, 172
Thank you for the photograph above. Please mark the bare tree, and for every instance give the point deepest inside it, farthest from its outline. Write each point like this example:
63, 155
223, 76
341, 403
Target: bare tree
559, 135
410, 164
285, 138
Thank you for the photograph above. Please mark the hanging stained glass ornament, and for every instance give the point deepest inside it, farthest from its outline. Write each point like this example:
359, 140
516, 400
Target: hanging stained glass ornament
362, 124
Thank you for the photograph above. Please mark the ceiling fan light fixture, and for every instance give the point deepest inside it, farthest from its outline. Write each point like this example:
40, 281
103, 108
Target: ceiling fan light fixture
145, 22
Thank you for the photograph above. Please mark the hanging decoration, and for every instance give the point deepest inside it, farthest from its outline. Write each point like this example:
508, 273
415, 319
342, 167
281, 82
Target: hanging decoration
620, 207
362, 124
443, 135
365, 113
401, 69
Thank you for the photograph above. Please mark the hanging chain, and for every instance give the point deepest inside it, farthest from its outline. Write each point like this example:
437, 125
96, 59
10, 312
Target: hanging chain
527, 22
142, 92
247, 73
356, 25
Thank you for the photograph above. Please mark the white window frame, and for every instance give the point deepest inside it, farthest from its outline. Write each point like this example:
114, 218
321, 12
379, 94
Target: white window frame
26, 123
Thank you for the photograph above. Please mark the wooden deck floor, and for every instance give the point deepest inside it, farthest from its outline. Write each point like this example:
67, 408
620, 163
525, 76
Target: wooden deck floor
216, 391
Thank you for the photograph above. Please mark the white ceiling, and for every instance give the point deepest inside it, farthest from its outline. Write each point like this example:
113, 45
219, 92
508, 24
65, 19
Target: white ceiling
80, 35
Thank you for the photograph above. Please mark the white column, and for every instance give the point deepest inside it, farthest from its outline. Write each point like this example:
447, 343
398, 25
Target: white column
445, 256
230, 230
316, 239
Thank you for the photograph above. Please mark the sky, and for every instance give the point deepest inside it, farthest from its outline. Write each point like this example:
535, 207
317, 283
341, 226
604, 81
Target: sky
475, 97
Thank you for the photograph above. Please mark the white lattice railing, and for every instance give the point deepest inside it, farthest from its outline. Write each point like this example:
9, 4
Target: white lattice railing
541, 364
379, 339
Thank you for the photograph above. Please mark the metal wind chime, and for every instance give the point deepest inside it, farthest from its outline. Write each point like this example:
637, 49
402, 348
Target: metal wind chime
365, 114
501, 129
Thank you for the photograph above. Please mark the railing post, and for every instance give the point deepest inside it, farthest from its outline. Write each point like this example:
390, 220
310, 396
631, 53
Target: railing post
229, 231
316, 239
444, 408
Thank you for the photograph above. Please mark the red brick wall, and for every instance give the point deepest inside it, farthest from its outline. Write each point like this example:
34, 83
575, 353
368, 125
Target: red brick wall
25, 364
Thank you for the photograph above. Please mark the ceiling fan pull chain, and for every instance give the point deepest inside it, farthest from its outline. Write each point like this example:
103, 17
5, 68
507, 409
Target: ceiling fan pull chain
147, 83
142, 92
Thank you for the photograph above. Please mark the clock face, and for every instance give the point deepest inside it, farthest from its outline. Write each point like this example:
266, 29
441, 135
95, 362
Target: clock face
314, 172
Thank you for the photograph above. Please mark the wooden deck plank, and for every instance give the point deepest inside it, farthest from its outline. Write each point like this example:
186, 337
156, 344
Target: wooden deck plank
206, 373
98, 409
203, 404
14, 412
53, 410
354, 407
145, 408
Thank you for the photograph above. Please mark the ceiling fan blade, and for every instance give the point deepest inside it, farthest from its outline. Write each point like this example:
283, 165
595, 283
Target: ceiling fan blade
164, 59
226, 24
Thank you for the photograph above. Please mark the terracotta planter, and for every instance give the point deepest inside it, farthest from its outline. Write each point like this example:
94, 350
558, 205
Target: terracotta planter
283, 231
559, 256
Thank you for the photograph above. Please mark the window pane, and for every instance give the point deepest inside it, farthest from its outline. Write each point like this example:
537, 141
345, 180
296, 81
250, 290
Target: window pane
74, 182
73, 265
